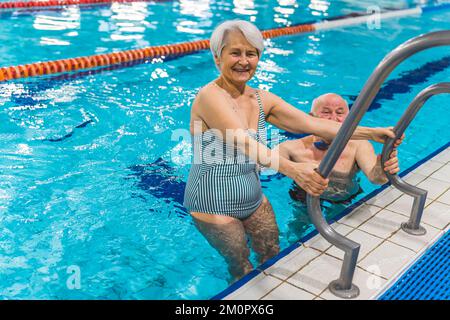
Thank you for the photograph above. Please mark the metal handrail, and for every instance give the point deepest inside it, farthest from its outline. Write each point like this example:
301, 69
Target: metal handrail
413, 225
343, 286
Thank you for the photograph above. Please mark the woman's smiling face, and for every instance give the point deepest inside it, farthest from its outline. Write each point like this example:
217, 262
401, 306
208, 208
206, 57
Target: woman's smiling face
239, 59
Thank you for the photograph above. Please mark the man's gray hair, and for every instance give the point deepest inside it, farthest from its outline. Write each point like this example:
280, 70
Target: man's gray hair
322, 98
248, 29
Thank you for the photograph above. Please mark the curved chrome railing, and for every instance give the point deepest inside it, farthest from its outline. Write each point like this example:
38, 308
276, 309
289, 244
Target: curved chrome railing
343, 287
413, 225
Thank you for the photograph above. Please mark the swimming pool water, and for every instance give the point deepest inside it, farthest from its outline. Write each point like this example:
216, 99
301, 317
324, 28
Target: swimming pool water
92, 173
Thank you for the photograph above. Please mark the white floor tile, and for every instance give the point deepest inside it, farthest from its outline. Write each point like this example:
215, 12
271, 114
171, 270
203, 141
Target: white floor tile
287, 291
387, 259
383, 224
368, 284
385, 197
434, 187
290, 264
437, 214
319, 242
445, 198
415, 243
428, 167
414, 178
316, 276
255, 288
359, 215
367, 241
442, 174
403, 205
443, 157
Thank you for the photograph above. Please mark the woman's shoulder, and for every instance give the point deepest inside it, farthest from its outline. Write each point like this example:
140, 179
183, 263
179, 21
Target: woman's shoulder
263, 93
268, 99
267, 96
209, 91
207, 96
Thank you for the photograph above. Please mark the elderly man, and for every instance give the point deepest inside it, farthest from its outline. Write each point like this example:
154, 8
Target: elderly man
358, 154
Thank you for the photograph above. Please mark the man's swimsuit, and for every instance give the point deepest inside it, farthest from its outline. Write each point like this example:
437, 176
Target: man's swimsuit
342, 188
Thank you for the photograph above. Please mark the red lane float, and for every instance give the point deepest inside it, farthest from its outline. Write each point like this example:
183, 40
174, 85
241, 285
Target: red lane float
110, 59
61, 3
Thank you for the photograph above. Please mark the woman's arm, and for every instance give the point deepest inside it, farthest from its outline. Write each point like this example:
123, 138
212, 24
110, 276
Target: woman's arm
284, 149
287, 117
216, 110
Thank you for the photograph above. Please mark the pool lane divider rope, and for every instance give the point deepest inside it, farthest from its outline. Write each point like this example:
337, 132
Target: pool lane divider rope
62, 3
180, 49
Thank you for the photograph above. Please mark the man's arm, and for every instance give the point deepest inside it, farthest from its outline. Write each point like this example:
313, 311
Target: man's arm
370, 164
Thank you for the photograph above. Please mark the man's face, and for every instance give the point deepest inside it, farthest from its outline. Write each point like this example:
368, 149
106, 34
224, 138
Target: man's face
334, 109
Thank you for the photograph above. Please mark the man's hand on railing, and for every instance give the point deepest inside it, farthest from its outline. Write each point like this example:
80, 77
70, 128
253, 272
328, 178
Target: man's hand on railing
391, 165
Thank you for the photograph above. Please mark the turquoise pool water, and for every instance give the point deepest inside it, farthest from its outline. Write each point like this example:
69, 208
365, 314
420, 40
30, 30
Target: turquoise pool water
91, 175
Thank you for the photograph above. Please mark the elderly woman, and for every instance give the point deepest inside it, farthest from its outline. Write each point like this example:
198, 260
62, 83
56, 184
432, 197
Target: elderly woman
223, 192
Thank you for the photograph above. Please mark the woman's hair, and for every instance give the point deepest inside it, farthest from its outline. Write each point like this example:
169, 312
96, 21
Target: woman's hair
248, 29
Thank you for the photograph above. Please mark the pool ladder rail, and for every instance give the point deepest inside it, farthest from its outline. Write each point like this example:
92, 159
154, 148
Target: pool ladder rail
343, 287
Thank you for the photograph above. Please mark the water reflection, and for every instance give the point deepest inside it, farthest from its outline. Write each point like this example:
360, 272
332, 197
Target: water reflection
128, 22
287, 3
314, 45
245, 7
200, 10
319, 7
65, 19
196, 8
283, 12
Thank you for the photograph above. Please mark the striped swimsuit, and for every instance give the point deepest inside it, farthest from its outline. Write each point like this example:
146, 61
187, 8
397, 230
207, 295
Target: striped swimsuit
222, 179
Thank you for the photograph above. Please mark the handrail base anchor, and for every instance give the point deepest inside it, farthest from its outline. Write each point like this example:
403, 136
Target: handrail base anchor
419, 231
335, 288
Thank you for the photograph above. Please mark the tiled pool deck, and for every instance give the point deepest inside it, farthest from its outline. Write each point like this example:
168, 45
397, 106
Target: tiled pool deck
386, 251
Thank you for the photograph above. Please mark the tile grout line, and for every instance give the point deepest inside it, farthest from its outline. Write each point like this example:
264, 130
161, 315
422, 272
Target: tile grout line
322, 253
349, 216
385, 204
384, 241
421, 221
301, 268
432, 172
414, 172
400, 245
291, 284
360, 258
404, 214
